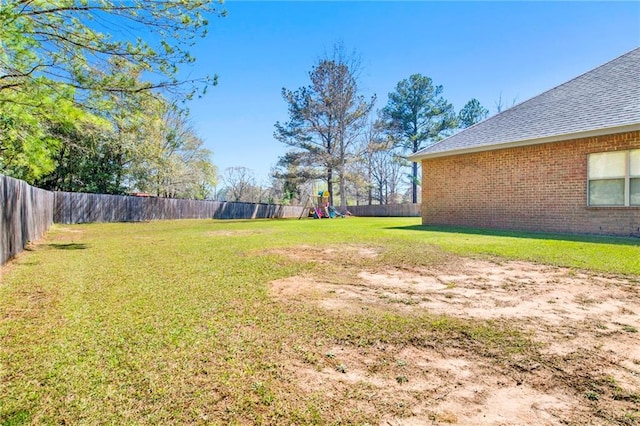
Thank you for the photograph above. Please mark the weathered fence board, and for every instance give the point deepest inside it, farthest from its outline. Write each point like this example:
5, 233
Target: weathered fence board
25, 215
85, 208
386, 210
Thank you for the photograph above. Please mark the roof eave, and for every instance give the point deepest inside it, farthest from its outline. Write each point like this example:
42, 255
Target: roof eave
548, 139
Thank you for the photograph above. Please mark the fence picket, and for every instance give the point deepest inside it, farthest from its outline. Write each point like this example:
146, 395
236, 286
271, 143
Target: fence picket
25, 215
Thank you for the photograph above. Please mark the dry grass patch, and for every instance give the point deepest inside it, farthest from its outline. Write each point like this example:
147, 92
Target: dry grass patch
343, 254
584, 362
236, 232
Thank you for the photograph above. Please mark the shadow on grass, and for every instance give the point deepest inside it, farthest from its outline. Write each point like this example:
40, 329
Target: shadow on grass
68, 246
597, 239
15, 418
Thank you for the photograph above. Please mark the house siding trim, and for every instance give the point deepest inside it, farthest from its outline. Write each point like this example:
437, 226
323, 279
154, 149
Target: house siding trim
549, 139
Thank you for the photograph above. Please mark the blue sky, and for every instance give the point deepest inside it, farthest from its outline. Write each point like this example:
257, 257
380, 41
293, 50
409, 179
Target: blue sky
474, 49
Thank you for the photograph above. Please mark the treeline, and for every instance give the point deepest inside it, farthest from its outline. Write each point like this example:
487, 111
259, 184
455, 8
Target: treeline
338, 137
87, 96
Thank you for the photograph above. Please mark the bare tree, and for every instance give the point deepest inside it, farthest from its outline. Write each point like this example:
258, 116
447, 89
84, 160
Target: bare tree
386, 168
383, 165
358, 183
239, 183
502, 104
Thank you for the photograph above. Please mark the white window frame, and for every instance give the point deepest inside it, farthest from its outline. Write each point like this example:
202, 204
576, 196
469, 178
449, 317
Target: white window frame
631, 176
627, 176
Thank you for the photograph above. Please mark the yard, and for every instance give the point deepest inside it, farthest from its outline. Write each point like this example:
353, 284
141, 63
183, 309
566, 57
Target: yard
345, 321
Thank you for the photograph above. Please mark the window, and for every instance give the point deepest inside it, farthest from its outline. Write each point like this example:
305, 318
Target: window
634, 177
614, 178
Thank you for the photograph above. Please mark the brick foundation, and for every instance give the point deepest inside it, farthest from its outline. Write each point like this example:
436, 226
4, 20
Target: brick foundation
533, 188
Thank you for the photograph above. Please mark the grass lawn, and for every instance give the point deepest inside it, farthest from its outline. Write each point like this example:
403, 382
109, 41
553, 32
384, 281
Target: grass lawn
173, 322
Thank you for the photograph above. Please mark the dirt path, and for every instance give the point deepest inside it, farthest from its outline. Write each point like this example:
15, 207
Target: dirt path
586, 371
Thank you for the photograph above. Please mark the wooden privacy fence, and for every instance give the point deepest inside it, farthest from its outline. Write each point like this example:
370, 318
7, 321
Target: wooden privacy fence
71, 207
25, 215
386, 210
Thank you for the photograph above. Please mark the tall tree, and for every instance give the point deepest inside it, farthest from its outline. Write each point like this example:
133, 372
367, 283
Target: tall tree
473, 112
326, 116
85, 160
77, 42
417, 115
62, 61
170, 159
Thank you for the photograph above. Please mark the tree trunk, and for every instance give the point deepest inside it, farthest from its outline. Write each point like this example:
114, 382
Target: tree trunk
343, 189
330, 184
343, 196
370, 183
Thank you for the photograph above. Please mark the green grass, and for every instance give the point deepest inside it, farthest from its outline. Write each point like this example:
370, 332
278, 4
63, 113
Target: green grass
171, 322
594, 253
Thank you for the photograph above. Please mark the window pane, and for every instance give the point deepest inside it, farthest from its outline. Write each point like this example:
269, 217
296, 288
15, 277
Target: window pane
607, 165
635, 163
634, 198
606, 192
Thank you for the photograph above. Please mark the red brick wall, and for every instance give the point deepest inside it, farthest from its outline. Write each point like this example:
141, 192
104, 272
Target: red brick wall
536, 188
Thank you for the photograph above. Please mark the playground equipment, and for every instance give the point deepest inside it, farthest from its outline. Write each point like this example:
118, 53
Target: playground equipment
320, 208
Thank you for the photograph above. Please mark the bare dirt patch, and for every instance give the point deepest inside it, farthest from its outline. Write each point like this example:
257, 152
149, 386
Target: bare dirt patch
417, 386
586, 369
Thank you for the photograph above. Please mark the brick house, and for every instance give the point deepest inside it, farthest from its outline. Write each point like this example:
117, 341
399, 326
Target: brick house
567, 160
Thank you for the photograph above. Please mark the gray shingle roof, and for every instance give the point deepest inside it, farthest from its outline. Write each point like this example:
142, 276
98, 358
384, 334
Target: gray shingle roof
605, 97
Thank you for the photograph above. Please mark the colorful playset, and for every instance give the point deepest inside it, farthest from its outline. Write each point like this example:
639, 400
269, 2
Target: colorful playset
320, 208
